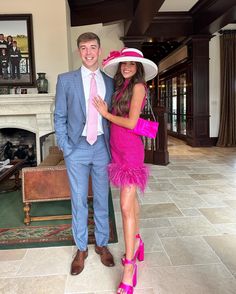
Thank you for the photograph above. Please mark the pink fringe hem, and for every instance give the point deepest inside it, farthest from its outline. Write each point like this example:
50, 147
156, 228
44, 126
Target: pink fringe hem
124, 175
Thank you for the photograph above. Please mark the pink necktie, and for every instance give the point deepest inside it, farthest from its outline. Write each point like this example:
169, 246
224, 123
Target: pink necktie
92, 128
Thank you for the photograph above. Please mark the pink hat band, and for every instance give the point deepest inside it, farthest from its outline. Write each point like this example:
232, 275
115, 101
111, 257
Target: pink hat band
115, 54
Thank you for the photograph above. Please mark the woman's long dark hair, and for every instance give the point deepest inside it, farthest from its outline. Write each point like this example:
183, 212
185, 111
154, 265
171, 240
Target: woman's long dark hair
121, 107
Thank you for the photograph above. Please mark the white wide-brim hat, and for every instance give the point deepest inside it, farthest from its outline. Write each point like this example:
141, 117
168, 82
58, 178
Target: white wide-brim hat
110, 64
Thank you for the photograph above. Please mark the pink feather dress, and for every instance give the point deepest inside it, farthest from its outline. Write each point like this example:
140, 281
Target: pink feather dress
127, 153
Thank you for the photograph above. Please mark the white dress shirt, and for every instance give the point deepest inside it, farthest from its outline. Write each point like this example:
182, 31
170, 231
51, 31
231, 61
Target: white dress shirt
101, 90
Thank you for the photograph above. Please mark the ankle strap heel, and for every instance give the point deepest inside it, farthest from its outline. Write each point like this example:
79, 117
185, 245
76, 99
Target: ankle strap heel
133, 262
139, 253
128, 288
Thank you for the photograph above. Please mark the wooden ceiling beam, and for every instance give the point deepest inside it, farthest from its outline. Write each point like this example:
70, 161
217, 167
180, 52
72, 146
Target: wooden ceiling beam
170, 25
210, 16
206, 17
143, 16
104, 12
143, 19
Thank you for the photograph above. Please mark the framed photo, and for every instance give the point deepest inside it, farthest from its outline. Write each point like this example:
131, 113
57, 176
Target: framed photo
17, 65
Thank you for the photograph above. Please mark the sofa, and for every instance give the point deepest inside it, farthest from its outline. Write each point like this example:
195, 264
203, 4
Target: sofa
46, 182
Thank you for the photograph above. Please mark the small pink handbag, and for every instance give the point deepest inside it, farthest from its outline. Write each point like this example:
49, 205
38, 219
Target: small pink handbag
146, 128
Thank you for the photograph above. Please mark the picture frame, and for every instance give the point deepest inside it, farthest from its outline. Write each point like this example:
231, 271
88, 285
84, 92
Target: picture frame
17, 63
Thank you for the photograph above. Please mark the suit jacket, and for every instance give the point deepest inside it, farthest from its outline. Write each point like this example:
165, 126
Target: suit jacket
70, 110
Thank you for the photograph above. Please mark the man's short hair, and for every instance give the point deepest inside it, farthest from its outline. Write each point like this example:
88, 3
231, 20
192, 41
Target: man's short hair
88, 37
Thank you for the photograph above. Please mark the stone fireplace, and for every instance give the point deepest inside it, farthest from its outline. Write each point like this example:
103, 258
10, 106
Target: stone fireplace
30, 112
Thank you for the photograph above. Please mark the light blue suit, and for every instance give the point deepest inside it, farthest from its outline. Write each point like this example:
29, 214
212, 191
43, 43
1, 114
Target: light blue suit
81, 158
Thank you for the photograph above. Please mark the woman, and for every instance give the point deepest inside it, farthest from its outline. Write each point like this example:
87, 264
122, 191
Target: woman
127, 170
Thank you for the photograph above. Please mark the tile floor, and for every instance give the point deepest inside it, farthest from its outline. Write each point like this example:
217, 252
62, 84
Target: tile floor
188, 224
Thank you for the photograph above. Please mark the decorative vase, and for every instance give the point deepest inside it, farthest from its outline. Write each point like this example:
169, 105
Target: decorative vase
42, 83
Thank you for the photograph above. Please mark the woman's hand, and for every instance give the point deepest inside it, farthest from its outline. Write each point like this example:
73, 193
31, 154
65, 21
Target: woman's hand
101, 106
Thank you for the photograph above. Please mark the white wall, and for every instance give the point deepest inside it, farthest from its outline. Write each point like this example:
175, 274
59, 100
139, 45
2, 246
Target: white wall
109, 36
50, 33
214, 85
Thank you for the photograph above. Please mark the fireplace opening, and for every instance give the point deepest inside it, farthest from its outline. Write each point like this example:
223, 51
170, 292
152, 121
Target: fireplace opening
18, 144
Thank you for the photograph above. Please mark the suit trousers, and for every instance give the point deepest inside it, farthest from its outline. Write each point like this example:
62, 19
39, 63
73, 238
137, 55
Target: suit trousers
86, 160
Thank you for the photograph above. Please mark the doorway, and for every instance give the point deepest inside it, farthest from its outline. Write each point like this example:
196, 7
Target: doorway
173, 95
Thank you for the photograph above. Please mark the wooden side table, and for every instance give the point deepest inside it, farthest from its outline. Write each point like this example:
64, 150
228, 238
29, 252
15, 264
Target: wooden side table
6, 173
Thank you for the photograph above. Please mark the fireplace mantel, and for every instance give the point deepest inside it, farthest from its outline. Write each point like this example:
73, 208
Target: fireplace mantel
31, 112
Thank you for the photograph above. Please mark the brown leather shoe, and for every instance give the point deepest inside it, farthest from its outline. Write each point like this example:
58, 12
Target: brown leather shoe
78, 263
105, 255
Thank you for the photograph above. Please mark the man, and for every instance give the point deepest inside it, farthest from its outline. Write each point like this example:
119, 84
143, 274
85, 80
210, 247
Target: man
85, 154
15, 58
3, 45
4, 61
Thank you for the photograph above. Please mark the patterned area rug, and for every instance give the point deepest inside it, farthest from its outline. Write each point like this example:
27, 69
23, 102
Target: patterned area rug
42, 234
48, 235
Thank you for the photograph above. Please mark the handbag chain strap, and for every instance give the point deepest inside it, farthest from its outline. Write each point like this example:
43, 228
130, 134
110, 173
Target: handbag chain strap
150, 107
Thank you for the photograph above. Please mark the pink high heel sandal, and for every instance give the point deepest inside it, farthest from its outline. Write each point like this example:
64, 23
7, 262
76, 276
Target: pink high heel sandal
129, 289
139, 254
